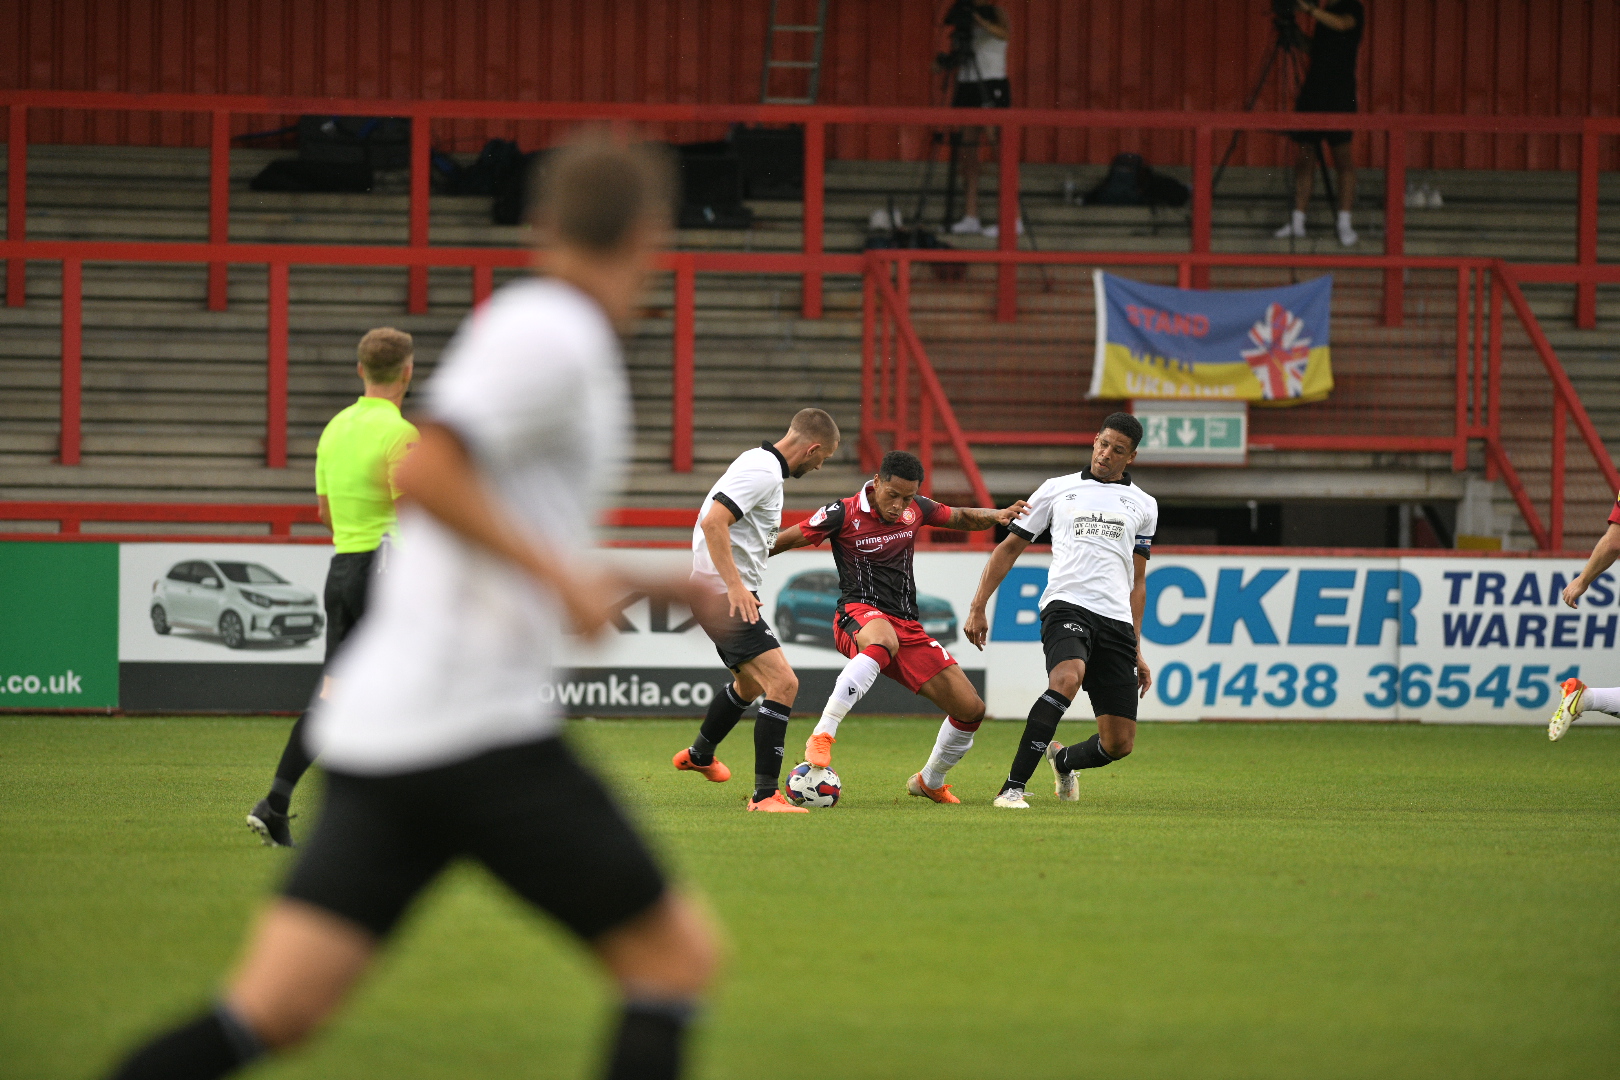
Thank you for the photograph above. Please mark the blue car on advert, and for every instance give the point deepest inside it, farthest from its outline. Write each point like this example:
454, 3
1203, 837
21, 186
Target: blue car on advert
805, 607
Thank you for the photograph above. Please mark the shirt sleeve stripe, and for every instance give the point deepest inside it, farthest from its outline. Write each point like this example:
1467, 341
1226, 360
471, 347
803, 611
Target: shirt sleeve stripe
1018, 530
725, 500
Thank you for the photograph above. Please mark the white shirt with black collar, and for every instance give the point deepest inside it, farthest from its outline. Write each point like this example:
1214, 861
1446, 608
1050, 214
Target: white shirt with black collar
752, 490
1096, 528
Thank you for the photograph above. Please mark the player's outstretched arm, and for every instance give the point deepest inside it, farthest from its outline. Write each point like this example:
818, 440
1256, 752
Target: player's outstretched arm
977, 519
977, 627
790, 538
1603, 555
440, 477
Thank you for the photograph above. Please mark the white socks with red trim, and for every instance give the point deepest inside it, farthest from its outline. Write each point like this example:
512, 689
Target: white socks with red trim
955, 739
853, 683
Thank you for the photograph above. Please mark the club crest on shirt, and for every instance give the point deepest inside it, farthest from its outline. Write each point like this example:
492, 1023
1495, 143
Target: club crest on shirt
910, 516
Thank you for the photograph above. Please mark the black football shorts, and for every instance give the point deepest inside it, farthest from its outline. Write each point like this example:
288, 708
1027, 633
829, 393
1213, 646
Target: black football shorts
532, 814
736, 641
1106, 646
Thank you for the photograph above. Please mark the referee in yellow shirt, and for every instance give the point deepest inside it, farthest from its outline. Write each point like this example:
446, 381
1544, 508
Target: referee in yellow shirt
355, 461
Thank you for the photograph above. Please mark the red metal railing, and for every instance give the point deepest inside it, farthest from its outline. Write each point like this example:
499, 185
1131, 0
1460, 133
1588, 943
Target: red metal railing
280, 257
815, 120
278, 520
904, 404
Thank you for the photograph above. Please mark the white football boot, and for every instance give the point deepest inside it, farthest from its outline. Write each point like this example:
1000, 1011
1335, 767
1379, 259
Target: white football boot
1568, 709
1068, 784
1011, 799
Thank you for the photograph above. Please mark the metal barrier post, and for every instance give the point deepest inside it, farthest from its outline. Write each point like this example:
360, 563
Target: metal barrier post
1493, 408
1586, 230
1555, 511
219, 206
1459, 454
1395, 227
680, 441
17, 203
815, 184
72, 358
1007, 222
416, 293
275, 405
1203, 201
868, 363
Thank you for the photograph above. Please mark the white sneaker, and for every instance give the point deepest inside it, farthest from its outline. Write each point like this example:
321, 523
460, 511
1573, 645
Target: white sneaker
1568, 709
1068, 784
1295, 227
993, 231
1347, 235
1011, 799
967, 226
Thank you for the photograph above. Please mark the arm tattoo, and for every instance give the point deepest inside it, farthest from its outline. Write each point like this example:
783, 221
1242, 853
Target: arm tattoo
970, 519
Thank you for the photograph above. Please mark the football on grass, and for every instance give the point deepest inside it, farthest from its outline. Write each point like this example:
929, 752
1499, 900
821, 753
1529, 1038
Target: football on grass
811, 785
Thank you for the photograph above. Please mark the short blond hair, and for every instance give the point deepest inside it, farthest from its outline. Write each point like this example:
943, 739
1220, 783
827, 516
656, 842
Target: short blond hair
816, 425
384, 352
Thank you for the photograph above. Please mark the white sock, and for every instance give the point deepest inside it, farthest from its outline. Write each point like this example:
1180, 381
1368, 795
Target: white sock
853, 683
949, 746
1603, 699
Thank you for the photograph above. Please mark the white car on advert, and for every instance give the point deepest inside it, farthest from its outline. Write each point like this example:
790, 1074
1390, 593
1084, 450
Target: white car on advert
239, 601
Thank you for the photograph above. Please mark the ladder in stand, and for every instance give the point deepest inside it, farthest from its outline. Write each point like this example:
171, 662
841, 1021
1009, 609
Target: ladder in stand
811, 66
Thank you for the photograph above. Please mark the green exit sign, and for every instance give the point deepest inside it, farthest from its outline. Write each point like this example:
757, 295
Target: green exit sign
1192, 433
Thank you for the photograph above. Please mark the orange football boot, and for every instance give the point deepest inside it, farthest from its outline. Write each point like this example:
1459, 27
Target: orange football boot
715, 771
818, 750
775, 804
941, 794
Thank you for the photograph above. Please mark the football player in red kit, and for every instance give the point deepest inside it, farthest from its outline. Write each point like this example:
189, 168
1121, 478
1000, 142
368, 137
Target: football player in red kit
873, 534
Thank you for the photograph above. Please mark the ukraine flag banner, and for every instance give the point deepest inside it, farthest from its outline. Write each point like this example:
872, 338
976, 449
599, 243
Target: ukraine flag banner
1263, 345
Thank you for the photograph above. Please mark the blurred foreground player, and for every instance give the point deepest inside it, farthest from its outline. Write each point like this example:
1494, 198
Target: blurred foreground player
1578, 697
873, 536
736, 529
435, 739
356, 463
1091, 612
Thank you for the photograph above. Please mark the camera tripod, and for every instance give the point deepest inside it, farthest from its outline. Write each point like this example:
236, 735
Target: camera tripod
1286, 57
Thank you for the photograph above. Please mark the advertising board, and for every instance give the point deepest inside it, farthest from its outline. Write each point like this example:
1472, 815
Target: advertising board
1278, 635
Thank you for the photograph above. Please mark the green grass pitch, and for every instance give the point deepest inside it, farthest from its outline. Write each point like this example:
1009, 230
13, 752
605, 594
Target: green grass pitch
1243, 901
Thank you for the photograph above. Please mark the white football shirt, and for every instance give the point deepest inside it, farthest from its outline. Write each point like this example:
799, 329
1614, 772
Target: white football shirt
752, 490
1096, 528
457, 644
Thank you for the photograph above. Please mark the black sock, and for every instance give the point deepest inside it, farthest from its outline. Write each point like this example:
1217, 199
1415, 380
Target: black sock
724, 712
1038, 731
770, 734
295, 761
1086, 755
648, 1045
215, 1044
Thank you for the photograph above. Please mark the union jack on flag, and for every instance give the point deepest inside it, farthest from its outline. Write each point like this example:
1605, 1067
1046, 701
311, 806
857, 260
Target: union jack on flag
1280, 354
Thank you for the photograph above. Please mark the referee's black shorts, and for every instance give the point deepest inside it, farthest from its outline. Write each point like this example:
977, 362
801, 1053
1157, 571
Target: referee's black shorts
1106, 646
348, 586
532, 814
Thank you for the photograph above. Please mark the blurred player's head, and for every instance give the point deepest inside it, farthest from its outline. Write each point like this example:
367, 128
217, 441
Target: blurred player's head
600, 211
1115, 446
811, 439
898, 477
386, 357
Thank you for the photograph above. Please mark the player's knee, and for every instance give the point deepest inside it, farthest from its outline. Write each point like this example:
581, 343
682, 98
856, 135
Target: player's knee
1118, 746
783, 688
1065, 681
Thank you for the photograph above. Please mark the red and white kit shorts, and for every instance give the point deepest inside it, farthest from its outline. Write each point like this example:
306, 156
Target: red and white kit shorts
920, 659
